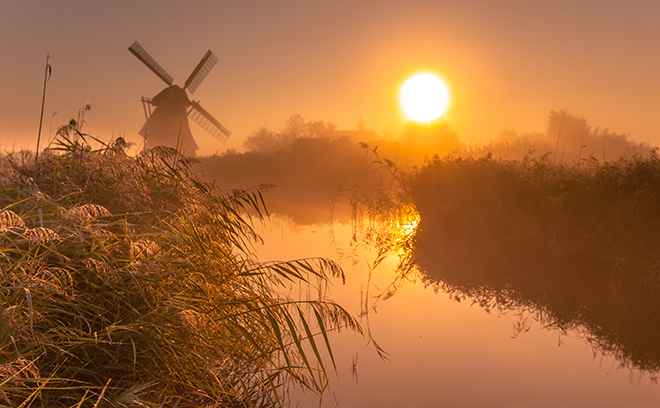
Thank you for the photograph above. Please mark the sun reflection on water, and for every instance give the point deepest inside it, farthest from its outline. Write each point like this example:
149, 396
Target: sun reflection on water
404, 230
408, 222
393, 240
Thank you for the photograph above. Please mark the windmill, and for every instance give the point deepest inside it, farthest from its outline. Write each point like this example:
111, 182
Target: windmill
168, 123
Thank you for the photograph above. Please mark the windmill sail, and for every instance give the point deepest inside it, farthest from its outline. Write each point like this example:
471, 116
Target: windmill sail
144, 56
207, 122
200, 72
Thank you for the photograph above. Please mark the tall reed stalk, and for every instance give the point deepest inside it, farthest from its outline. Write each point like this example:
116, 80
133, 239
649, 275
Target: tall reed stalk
41, 116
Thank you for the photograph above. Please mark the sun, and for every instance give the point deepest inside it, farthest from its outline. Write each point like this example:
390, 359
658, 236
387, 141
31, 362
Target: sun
424, 97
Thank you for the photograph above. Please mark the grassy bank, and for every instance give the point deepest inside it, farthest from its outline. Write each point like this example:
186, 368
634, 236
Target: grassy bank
578, 244
126, 281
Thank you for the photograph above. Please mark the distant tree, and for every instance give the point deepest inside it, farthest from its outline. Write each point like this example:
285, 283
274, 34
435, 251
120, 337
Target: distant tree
266, 141
574, 140
362, 124
569, 132
262, 140
319, 128
294, 128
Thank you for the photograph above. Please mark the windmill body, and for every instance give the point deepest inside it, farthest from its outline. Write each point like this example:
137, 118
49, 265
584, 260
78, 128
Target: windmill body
168, 124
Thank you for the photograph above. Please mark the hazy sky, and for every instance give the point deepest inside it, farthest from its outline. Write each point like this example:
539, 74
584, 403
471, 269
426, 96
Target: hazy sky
507, 63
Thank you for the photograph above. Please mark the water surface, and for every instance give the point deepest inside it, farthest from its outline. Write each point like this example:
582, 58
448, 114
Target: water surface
443, 352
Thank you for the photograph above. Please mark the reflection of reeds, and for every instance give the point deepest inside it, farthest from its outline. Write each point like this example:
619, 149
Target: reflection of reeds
129, 282
577, 243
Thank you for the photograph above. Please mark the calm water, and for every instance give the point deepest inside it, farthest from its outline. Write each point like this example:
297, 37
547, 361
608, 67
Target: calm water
444, 353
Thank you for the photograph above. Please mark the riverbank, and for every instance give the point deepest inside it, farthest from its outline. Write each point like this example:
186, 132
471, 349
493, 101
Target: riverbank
576, 243
127, 281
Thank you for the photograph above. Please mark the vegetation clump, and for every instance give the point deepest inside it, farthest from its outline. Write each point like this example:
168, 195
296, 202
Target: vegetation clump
578, 243
126, 281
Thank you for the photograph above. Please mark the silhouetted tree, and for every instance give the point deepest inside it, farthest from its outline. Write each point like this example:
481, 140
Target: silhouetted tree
262, 140
570, 133
575, 140
361, 124
567, 139
267, 141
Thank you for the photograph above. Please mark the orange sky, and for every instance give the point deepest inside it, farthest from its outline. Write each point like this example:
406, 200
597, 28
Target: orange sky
507, 63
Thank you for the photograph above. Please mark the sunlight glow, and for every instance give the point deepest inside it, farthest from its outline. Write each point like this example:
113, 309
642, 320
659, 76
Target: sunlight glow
424, 97
404, 230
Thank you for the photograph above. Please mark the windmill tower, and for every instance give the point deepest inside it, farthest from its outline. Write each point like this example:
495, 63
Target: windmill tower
168, 123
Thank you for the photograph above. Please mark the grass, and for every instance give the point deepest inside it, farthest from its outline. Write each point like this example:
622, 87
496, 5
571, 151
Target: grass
129, 282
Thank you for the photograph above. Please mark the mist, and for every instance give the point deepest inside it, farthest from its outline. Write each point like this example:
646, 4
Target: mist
311, 166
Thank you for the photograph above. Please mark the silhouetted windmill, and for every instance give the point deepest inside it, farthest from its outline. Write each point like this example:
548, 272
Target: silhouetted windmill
168, 124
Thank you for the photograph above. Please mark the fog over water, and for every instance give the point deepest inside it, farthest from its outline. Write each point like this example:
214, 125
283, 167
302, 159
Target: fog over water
447, 353
516, 282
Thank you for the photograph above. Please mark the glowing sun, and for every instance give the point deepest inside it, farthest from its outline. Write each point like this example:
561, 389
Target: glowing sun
424, 97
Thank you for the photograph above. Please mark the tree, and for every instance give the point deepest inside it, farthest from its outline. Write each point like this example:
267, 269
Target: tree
573, 140
262, 140
570, 133
266, 141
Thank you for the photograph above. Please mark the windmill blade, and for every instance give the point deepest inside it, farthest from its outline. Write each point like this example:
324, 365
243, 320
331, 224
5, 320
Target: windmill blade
200, 72
207, 122
144, 56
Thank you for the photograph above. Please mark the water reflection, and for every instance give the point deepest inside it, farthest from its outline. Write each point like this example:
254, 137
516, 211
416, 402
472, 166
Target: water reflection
405, 228
622, 320
443, 352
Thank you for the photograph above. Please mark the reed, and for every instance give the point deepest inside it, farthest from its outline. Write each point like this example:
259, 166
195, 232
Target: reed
573, 247
577, 244
127, 281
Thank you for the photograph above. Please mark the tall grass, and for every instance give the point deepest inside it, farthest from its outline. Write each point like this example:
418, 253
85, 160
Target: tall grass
577, 243
126, 282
